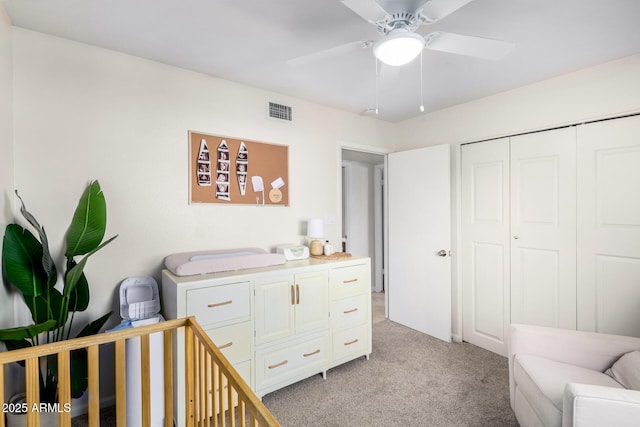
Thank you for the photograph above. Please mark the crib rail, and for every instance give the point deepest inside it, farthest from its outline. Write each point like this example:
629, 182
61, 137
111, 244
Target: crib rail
233, 405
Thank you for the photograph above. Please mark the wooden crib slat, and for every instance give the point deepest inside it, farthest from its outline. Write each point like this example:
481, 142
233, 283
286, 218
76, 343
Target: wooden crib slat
202, 386
2, 392
189, 380
93, 371
64, 387
168, 378
145, 369
232, 419
121, 383
223, 421
32, 366
210, 387
215, 403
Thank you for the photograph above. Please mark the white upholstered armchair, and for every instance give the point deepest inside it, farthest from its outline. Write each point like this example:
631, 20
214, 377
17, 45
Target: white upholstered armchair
556, 378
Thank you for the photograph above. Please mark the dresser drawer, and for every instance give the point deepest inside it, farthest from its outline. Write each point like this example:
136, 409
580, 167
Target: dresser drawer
350, 311
350, 342
281, 364
348, 281
234, 341
218, 304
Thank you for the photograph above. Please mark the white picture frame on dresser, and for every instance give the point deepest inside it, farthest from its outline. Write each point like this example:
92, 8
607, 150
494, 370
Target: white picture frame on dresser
277, 325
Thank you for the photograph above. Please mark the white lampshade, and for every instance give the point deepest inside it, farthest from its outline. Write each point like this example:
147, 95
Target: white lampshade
399, 47
315, 228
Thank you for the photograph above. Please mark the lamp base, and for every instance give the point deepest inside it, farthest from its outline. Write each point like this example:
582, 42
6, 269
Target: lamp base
315, 247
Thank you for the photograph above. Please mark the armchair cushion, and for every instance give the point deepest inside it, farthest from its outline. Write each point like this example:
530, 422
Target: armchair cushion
543, 381
626, 370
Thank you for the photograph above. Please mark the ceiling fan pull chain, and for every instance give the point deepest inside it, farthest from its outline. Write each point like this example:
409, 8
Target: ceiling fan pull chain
377, 77
421, 85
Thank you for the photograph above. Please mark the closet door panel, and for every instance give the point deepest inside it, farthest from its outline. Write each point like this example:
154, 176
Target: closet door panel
485, 249
543, 228
609, 226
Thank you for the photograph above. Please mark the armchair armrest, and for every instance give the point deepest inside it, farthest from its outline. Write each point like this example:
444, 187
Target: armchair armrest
590, 350
593, 406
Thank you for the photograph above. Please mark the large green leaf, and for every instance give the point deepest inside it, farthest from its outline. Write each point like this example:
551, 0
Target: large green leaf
24, 332
79, 364
74, 274
22, 260
79, 296
45, 307
89, 222
95, 326
47, 261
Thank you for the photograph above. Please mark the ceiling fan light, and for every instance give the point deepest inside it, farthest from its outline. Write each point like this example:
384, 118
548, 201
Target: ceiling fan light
398, 47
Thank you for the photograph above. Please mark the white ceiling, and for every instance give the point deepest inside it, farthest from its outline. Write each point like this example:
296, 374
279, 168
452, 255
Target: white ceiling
249, 41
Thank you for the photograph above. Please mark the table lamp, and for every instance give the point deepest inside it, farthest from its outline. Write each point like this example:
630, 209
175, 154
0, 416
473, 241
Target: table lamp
315, 232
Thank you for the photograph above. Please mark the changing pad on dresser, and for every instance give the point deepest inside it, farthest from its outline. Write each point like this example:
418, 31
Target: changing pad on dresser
201, 262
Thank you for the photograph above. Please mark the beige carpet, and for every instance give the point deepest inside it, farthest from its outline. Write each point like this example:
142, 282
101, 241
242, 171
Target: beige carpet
377, 307
411, 380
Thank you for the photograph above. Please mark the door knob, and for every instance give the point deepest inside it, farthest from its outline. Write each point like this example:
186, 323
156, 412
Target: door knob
442, 252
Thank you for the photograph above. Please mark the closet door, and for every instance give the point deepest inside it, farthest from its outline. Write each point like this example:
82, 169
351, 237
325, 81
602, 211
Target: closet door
609, 226
543, 228
485, 244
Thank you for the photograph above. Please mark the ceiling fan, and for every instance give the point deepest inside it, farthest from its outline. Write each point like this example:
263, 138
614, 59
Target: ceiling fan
400, 44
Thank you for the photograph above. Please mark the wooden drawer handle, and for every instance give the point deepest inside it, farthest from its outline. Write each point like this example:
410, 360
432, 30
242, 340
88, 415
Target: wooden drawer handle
293, 295
227, 345
352, 342
297, 294
312, 353
350, 281
219, 304
277, 365
353, 310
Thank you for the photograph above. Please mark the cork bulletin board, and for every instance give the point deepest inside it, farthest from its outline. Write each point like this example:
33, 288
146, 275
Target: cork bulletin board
237, 171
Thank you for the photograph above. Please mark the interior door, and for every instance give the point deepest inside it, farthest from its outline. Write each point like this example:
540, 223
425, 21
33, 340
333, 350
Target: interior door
419, 236
485, 244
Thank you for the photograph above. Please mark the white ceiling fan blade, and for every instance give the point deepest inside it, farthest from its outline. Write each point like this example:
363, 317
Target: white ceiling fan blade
369, 10
468, 45
330, 53
435, 10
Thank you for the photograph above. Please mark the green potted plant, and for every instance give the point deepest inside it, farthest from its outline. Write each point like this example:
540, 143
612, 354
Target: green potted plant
30, 269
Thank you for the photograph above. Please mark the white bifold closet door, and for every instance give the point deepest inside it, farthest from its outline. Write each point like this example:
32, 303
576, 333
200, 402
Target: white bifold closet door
485, 244
518, 235
609, 226
543, 228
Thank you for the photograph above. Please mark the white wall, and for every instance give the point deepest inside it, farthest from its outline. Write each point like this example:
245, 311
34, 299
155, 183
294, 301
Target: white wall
6, 149
602, 91
605, 90
6, 167
82, 112
360, 239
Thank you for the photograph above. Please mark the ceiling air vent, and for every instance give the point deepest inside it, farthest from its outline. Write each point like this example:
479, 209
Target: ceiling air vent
279, 111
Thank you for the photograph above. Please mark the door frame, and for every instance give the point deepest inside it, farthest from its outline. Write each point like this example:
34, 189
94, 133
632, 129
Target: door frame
344, 145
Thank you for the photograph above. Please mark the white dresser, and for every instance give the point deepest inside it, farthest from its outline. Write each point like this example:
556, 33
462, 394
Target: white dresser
280, 324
